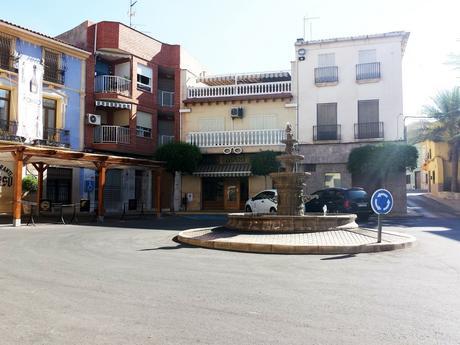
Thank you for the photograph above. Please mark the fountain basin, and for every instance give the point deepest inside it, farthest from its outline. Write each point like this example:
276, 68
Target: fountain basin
312, 222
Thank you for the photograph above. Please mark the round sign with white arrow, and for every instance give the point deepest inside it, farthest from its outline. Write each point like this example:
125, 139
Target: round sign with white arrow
382, 201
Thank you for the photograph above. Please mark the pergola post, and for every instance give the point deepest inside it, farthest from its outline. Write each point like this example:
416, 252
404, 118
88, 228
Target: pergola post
158, 193
17, 186
102, 169
41, 168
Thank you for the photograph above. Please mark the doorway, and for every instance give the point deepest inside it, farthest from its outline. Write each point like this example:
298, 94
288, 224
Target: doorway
231, 194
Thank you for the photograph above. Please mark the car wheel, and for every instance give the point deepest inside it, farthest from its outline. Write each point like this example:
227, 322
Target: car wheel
272, 210
248, 208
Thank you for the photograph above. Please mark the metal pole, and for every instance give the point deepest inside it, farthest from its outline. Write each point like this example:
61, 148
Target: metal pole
379, 231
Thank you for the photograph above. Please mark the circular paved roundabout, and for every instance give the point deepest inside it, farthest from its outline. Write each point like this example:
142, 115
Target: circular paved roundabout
350, 241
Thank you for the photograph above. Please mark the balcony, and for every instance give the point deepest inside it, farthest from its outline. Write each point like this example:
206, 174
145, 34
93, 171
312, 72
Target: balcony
368, 71
54, 137
112, 84
110, 135
165, 139
281, 87
255, 137
8, 131
328, 74
370, 130
165, 99
54, 75
326, 132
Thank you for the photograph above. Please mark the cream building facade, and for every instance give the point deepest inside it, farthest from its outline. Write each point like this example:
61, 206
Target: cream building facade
231, 117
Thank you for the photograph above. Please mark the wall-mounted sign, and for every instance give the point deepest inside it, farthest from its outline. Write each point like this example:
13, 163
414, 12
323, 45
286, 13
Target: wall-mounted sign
30, 82
6, 176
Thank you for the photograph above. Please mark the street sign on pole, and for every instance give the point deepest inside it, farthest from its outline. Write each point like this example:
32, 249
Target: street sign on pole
381, 203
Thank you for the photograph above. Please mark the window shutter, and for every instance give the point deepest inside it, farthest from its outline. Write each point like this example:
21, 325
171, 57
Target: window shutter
326, 114
367, 56
368, 111
143, 120
326, 60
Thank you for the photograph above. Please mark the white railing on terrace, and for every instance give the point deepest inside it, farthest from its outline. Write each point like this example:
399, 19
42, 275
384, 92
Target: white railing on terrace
165, 98
111, 134
239, 90
112, 83
254, 137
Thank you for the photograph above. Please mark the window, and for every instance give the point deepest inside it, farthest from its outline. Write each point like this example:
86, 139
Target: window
408, 180
144, 78
263, 122
143, 124
326, 60
368, 125
309, 167
6, 51
367, 56
4, 108
332, 180
326, 120
52, 71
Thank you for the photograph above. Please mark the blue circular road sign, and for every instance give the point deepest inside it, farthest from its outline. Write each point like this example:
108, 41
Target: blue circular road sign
382, 201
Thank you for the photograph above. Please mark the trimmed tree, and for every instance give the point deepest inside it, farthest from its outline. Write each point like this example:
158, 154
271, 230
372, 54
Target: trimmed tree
180, 158
29, 184
264, 163
378, 161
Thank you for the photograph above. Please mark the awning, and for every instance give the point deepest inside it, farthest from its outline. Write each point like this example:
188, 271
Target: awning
245, 78
110, 104
112, 55
228, 170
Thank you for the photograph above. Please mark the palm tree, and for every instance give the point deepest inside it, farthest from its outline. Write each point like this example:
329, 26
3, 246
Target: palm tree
446, 110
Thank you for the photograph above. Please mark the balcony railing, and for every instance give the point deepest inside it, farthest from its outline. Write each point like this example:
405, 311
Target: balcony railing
240, 90
8, 130
369, 130
165, 139
112, 84
111, 135
255, 137
54, 137
326, 132
365, 71
328, 74
165, 98
54, 75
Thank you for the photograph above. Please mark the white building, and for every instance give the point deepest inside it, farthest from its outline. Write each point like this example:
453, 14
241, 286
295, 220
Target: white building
348, 93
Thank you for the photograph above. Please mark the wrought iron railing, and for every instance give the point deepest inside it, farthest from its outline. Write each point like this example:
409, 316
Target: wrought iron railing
8, 130
369, 130
328, 74
165, 139
365, 71
326, 132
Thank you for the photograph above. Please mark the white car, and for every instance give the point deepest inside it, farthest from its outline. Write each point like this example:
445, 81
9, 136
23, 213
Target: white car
263, 202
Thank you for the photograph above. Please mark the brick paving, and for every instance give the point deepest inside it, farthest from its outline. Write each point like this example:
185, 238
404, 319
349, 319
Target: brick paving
339, 241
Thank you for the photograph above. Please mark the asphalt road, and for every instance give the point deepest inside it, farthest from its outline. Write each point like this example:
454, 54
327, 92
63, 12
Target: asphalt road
130, 284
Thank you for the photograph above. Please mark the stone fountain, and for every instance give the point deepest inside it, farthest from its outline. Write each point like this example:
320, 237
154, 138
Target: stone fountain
290, 217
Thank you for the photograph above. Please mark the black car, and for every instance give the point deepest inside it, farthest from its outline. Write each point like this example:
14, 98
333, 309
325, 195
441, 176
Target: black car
341, 200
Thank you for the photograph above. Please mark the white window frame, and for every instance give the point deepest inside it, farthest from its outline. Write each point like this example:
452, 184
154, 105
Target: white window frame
147, 72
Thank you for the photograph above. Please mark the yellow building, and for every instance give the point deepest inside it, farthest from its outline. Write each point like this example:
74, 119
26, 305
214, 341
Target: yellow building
230, 117
438, 165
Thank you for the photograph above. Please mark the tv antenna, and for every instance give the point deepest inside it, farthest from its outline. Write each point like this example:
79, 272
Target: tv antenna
131, 12
309, 20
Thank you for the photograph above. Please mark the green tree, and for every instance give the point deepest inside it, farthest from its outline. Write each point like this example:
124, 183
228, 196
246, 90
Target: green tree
179, 156
378, 161
29, 183
264, 163
445, 108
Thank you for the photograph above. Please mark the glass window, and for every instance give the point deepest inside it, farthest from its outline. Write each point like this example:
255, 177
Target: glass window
143, 124
6, 43
52, 71
368, 111
4, 107
49, 113
332, 180
144, 78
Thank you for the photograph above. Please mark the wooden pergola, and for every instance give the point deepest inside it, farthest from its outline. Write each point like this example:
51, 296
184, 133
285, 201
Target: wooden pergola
43, 157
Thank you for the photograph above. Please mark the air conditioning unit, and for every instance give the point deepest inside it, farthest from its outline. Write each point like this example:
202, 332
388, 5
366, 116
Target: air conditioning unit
94, 119
236, 112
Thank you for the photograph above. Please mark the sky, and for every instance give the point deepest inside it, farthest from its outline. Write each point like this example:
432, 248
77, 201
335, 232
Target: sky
230, 36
